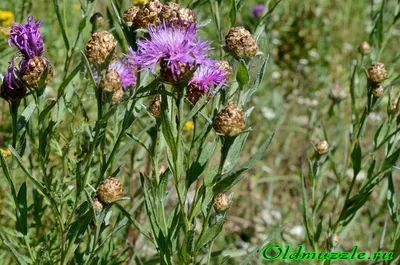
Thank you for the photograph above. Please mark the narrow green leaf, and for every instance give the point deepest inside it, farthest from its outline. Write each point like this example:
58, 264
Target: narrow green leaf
22, 209
356, 158
242, 75
19, 258
26, 116
210, 234
257, 82
391, 200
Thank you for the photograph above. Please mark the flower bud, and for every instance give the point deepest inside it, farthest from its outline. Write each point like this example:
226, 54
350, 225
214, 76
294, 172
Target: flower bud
377, 72
155, 107
117, 96
130, 14
97, 19
97, 205
33, 70
111, 81
225, 68
169, 76
221, 203
173, 13
99, 46
335, 239
230, 120
313, 103
377, 91
322, 147
110, 190
364, 48
394, 104
148, 14
240, 42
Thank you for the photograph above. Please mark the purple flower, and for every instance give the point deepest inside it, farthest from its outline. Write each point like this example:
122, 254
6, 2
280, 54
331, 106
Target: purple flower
27, 38
172, 43
126, 70
257, 10
12, 88
206, 76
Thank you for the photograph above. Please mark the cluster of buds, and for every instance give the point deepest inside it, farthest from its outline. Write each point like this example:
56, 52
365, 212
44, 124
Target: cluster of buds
110, 190
230, 120
322, 147
377, 74
221, 203
154, 11
240, 42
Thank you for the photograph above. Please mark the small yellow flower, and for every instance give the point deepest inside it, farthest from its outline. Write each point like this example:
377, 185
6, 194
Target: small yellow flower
6, 152
189, 126
6, 19
139, 2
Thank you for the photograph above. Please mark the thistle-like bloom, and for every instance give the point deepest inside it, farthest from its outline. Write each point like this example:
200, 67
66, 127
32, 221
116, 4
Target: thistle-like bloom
27, 38
178, 47
257, 10
12, 88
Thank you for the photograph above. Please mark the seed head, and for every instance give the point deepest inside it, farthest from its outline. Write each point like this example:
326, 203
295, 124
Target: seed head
230, 120
155, 107
99, 46
240, 42
225, 68
111, 81
130, 14
117, 96
110, 190
97, 205
364, 48
148, 14
322, 147
32, 70
174, 13
377, 72
221, 203
97, 19
377, 91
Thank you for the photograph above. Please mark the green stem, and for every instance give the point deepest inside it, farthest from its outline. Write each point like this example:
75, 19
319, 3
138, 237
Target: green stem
14, 114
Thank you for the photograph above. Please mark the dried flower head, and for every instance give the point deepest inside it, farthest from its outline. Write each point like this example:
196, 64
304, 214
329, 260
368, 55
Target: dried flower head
221, 203
147, 15
130, 13
110, 190
322, 147
364, 48
117, 96
377, 72
27, 38
13, 88
257, 10
177, 47
230, 120
225, 67
155, 106
99, 46
97, 205
240, 42
32, 70
111, 81
175, 14
97, 19
377, 91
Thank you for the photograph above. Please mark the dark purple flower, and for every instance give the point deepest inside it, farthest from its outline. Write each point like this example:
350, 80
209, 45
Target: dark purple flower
27, 38
207, 75
12, 88
257, 10
126, 71
172, 43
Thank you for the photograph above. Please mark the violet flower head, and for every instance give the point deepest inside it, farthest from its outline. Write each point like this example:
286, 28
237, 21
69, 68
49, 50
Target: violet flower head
126, 71
174, 44
257, 10
206, 76
27, 38
12, 88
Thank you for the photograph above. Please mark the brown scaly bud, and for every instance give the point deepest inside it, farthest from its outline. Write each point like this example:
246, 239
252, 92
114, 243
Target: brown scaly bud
322, 147
155, 107
36, 66
221, 203
377, 72
117, 96
394, 104
240, 42
364, 48
148, 14
130, 13
110, 190
97, 205
97, 19
174, 13
377, 91
230, 120
99, 46
167, 75
194, 94
111, 81
225, 68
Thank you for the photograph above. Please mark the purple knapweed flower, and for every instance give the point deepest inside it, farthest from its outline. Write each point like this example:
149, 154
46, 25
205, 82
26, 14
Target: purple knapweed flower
257, 10
12, 88
206, 76
27, 38
126, 71
177, 47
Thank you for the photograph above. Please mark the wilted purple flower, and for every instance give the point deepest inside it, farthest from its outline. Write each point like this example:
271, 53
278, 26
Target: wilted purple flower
126, 71
12, 88
175, 45
257, 10
206, 76
27, 38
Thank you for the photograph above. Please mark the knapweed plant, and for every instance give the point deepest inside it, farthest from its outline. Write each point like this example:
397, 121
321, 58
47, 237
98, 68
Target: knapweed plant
133, 159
